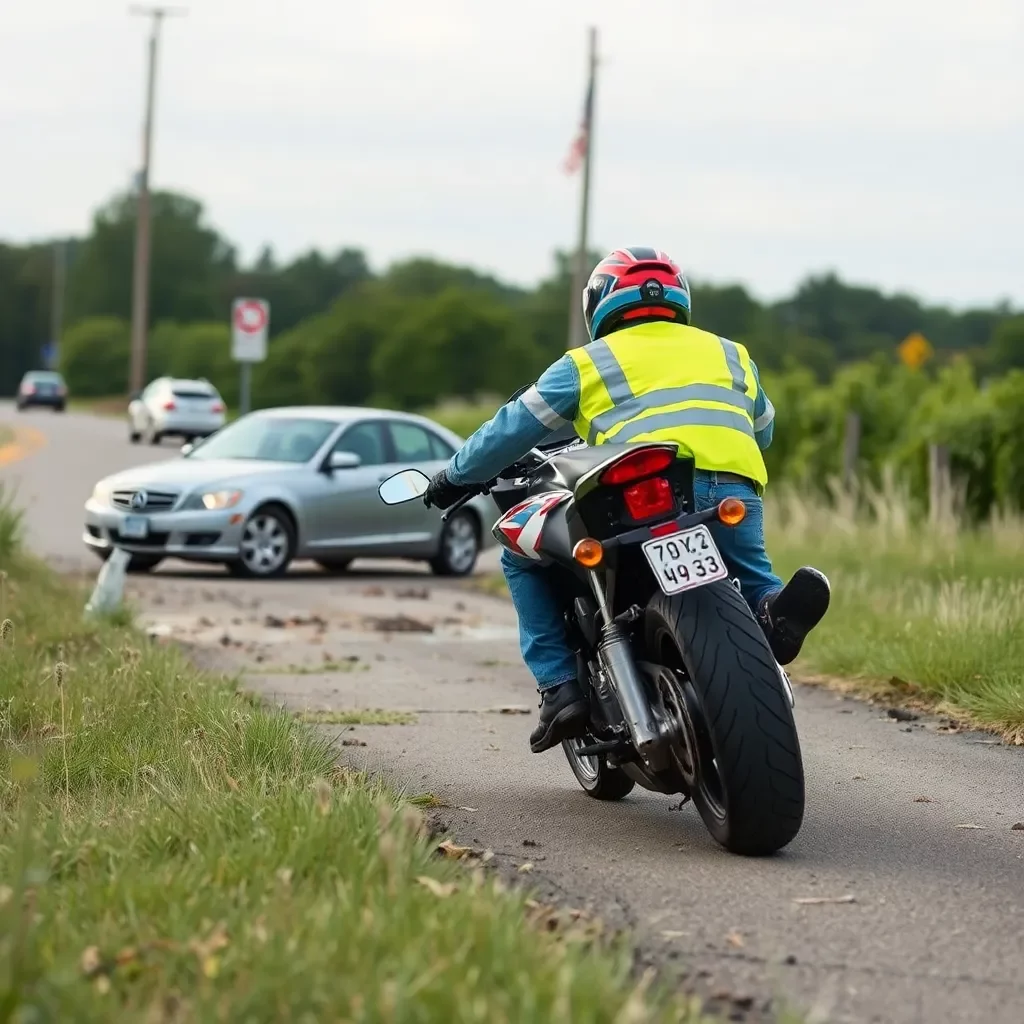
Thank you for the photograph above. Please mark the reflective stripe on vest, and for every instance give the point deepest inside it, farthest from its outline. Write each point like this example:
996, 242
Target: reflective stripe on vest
710, 419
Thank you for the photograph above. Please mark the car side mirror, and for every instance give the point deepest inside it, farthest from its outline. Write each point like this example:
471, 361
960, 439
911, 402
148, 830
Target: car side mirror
188, 447
343, 460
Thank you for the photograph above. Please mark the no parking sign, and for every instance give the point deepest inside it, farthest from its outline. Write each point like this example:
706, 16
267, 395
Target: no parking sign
250, 319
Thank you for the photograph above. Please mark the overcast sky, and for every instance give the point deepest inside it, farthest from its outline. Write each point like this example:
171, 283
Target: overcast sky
755, 141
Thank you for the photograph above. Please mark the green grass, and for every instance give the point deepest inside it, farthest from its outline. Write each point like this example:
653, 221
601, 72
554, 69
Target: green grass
461, 417
932, 614
116, 405
170, 850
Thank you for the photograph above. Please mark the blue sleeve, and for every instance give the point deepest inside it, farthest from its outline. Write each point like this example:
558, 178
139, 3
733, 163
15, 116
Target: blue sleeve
764, 414
517, 426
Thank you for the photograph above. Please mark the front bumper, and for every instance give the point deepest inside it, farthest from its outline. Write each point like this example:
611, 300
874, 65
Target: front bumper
198, 535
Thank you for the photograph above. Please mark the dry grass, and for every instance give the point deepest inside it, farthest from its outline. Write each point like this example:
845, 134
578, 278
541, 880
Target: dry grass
927, 612
115, 405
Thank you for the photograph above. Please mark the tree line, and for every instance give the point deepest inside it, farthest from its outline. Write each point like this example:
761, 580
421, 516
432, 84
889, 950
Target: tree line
422, 331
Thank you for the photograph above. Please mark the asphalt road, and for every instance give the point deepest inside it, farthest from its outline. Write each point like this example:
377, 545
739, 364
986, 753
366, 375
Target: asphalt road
934, 932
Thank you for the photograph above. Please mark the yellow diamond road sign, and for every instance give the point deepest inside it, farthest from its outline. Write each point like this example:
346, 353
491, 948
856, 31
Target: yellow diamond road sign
915, 350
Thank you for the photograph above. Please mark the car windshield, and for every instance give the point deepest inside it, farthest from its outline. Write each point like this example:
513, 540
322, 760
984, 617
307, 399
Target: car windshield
44, 377
270, 438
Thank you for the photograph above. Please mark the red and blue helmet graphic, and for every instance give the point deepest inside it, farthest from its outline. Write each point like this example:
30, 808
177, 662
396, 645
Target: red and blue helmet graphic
632, 285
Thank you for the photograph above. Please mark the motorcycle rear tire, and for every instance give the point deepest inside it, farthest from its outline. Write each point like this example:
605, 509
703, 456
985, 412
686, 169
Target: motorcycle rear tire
748, 734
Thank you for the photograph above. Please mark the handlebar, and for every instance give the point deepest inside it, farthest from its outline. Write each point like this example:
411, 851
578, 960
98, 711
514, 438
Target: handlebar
467, 497
534, 458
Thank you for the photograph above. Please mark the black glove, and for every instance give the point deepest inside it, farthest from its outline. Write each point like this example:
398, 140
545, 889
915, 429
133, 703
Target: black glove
441, 492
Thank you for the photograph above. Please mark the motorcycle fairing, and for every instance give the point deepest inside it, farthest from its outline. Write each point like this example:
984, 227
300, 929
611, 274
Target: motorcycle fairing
519, 529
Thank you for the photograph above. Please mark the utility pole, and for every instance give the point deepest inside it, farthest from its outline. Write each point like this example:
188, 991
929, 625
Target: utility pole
140, 269
578, 277
57, 302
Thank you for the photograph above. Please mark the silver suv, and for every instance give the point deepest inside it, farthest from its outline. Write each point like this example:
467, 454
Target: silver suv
188, 409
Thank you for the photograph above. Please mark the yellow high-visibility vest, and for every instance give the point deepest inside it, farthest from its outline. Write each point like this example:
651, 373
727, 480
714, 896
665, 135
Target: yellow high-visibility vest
669, 382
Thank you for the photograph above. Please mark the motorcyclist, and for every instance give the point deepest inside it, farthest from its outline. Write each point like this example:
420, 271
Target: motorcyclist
646, 375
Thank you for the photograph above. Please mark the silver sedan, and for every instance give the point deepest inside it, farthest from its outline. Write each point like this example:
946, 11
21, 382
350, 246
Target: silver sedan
290, 483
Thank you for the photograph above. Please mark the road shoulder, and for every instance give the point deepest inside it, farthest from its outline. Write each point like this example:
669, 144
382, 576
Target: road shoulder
17, 443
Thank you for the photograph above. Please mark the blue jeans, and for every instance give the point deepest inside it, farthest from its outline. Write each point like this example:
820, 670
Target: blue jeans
542, 636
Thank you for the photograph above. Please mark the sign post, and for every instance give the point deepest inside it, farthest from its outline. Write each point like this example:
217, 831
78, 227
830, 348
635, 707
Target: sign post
250, 320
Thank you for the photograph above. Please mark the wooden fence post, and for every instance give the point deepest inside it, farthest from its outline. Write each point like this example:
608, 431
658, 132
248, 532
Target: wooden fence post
940, 493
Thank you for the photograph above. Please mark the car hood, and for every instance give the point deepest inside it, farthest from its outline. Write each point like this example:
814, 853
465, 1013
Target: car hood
185, 474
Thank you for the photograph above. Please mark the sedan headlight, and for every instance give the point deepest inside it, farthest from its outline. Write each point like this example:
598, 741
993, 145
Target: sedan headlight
216, 500
101, 493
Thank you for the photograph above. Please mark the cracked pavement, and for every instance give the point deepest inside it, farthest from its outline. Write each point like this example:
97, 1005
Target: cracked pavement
933, 933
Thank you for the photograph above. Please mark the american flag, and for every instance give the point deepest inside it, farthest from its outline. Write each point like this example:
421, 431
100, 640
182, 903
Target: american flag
578, 149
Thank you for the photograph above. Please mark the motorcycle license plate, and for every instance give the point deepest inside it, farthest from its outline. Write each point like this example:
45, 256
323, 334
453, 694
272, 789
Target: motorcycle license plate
684, 560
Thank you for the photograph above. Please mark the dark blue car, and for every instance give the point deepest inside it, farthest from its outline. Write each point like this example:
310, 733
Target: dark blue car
42, 387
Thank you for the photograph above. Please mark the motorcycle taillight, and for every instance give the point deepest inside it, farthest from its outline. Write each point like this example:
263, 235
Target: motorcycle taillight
649, 498
642, 462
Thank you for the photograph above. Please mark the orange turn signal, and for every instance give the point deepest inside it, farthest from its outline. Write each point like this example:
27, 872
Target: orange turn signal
731, 511
588, 552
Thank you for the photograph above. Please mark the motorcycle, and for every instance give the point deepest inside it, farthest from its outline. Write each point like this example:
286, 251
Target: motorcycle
685, 694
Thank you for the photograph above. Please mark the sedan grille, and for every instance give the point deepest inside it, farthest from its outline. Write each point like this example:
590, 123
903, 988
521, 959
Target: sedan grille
142, 500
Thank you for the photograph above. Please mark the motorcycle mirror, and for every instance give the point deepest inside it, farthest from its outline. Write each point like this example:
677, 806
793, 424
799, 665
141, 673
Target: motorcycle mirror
404, 486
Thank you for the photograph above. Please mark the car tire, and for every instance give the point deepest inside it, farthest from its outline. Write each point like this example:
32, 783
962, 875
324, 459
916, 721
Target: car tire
459, 547
268, 544
58, 408
133, 435
334, 566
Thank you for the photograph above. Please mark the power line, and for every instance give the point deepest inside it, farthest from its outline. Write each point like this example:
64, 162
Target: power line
143, 232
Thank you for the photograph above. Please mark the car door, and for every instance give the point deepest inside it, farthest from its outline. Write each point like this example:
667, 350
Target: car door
414, 446
345, 509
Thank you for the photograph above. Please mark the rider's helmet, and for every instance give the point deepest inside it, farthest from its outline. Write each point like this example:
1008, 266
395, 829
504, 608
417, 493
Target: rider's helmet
633, 286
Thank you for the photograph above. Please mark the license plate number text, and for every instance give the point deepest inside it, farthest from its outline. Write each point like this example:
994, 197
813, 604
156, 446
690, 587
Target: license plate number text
684, 560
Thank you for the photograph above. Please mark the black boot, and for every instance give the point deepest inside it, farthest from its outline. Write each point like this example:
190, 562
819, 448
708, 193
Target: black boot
563, 714
789, 615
